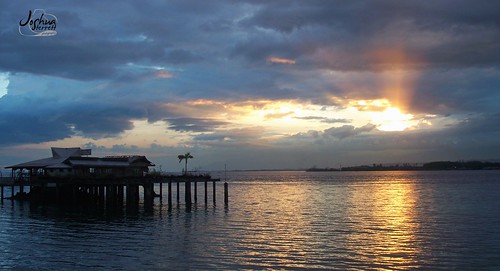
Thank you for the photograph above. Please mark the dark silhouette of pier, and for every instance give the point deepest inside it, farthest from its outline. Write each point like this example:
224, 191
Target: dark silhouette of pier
111, 191
71, 176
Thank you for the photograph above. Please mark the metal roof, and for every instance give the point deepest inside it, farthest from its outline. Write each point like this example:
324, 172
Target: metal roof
69, 157
41, 163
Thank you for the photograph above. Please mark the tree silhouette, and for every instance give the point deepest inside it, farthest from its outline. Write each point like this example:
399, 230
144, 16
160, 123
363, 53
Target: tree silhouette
185, 157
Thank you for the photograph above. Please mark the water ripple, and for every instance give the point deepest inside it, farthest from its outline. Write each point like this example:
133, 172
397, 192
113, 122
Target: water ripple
277, 220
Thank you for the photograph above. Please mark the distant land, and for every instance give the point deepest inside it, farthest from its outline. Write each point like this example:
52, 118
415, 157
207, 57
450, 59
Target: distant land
440, 165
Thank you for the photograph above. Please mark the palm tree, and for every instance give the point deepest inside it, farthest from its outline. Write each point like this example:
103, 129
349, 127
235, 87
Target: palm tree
185, 157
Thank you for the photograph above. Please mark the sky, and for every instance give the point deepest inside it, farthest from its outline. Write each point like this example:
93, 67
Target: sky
253, 84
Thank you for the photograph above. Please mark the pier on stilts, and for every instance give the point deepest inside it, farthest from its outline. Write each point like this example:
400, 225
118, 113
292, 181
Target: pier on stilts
109, 192
70, 176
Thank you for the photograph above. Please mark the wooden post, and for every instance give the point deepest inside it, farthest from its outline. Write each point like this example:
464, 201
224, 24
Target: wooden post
213, 191
128, 195
226, 194
101, 195
195, 191
114, 190
148, 194
12, 191
2, 193
187, 194
206, 192
178, 192
161, 190
120, 194
169, 195
136, 193
109, 194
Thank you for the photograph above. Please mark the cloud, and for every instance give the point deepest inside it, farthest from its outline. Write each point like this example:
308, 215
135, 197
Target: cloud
163, 74
240, 134
348, 131
181, 56
324, 119
318, 137
279, 60
330, 34
193, 124
200, 67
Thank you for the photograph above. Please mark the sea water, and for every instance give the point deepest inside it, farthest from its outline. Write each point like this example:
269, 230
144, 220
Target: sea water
403, 220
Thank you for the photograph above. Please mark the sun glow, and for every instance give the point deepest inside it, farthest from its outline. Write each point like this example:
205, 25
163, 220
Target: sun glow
392, 119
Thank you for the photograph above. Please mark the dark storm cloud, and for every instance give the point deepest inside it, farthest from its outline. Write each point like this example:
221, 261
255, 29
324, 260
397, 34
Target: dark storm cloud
193, 124
101, 120
181, 56
287, 15
456, 91
474, 126
138, 56
36, 120
233, 135
84, 60
95, 40
357, 35
360, 35
31, 129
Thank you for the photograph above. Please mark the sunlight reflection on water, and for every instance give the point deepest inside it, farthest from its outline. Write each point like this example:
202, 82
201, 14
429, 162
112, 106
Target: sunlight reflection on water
277, 220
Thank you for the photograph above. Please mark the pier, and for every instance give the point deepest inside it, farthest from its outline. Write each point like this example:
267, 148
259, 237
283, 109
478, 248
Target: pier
110, 191
70, 176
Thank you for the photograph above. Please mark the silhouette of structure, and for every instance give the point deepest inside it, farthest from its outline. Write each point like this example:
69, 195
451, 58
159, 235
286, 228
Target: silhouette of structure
72, 176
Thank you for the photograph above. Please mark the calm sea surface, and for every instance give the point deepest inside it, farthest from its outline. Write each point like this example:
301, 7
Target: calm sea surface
276, 220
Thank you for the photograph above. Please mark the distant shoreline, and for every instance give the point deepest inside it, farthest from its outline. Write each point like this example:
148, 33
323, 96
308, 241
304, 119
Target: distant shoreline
440, 165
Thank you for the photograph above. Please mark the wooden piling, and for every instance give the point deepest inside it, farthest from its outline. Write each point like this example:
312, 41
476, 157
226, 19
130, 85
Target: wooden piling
213, 191
226, 194
161, 190
109, 194
101, 194
178, 197
132, 194
169, 198
148, 194
136, 193
127, 194
187, 194
120, 194
206, 192
195, 191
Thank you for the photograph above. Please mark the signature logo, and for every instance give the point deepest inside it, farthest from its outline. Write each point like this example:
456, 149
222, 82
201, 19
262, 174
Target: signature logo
38, 23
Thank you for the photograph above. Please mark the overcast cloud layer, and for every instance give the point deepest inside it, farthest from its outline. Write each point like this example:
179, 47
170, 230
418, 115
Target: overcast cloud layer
185, 64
